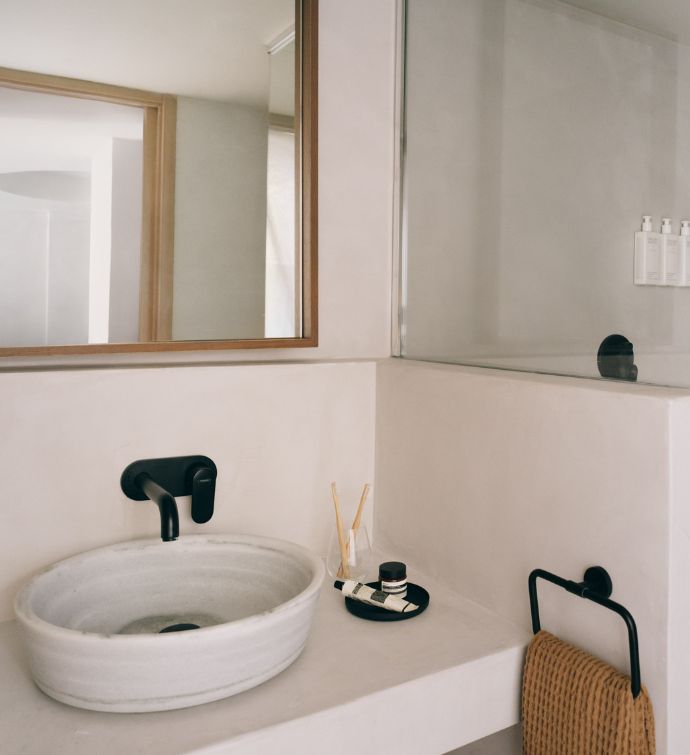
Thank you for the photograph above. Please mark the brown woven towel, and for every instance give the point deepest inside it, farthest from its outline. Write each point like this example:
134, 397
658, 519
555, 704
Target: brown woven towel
575, 704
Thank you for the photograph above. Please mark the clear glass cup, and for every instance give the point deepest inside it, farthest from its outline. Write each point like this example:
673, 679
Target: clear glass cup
359, 561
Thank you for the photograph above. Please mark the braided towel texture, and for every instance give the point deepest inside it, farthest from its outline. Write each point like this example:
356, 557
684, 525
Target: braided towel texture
575, 704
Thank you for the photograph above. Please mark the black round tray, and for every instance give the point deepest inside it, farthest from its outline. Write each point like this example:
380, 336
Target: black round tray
415, 594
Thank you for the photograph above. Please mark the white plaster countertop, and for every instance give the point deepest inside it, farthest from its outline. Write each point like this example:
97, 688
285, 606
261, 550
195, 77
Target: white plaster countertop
421, 686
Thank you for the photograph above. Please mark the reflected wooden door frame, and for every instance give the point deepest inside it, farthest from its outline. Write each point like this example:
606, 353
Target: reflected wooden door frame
158, 196
158, 221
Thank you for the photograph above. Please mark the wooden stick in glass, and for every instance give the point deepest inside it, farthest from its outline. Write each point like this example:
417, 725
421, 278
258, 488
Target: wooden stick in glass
344, 566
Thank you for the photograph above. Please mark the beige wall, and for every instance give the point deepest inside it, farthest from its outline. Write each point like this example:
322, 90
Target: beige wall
679, 584
356, 108
483, 476
278, 434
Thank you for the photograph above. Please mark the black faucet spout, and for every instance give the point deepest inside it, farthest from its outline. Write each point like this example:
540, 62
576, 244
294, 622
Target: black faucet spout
170, 523
160, 480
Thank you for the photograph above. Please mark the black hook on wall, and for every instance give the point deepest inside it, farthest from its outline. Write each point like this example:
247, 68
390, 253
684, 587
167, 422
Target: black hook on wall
616, 358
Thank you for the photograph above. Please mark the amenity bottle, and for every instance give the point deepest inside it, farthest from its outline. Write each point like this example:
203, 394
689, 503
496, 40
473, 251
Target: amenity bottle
670, 255
684, 253
647, 266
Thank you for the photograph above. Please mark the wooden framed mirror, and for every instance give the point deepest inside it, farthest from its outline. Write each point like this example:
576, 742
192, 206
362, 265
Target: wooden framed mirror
224, 255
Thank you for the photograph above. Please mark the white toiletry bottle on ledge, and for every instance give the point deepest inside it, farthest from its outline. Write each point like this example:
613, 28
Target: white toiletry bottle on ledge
684, 253
670, 255
647, 254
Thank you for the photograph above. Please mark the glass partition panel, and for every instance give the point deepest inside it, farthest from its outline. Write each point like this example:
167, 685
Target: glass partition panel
536, 136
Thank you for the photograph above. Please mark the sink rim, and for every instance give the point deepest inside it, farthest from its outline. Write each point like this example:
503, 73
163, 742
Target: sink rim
26, 615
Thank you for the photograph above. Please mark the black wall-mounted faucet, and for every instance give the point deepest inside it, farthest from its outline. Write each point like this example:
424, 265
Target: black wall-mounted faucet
160, 480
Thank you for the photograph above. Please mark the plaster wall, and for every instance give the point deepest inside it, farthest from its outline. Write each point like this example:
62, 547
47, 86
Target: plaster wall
679, 589
279, 435
279, 432
356, 168
483, 476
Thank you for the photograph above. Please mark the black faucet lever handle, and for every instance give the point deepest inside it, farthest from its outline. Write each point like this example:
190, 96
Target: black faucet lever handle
203, 484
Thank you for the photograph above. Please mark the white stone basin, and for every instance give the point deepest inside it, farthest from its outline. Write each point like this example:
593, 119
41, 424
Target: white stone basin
91, 623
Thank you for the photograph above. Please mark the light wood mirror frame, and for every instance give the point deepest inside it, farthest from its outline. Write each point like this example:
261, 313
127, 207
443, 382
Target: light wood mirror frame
155, 308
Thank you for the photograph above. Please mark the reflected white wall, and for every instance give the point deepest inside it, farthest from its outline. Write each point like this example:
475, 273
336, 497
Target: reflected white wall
71, 170
125, 266
68, 275
220, 220
281, 314
100, 246
23, 272
44, 271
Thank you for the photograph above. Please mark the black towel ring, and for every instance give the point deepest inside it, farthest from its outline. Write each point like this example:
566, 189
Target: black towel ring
597, 587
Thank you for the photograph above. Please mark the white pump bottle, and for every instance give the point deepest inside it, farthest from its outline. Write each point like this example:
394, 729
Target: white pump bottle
647, 266
670, 255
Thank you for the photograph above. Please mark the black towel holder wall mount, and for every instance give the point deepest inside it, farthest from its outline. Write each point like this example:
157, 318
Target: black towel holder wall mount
597, 587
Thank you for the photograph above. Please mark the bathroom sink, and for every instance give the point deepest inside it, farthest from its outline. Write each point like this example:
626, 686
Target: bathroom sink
115, 629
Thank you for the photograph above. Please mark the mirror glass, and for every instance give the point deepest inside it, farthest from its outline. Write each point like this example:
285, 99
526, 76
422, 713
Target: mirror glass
153, 193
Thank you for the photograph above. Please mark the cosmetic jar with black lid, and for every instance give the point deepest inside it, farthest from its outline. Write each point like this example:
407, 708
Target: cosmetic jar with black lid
393, 578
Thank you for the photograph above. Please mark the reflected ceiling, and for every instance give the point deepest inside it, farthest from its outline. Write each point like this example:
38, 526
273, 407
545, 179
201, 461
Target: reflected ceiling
200, 48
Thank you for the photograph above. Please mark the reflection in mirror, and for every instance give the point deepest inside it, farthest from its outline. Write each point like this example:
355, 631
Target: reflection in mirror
234, 209
132, 220
70, 219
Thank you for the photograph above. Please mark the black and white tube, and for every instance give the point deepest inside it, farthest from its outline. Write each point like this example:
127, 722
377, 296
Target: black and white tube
378, 598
